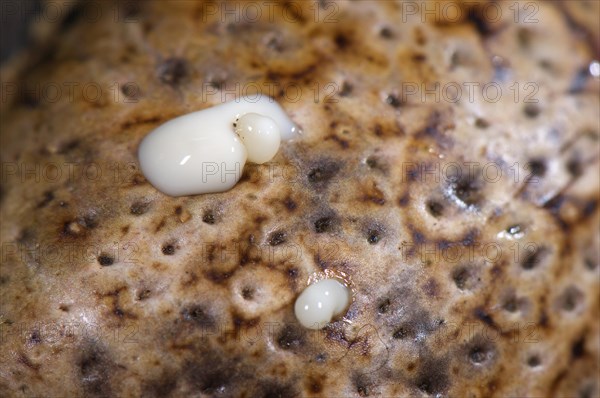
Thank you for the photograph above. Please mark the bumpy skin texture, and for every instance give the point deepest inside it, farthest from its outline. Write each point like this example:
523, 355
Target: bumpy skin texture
110, 288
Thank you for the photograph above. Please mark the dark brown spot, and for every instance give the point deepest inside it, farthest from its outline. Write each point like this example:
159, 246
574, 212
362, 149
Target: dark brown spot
28, 98
544, 321
478, 354
130, 10
344, 144
483, 316
546, 64
373, 236
470, 238
160, 225
531, 110
570, 299
217, 276
198, 315
511, 304
481, 123
435, 208
384, 306
216, 82
143, 294
578, 348
477, 17
323, 173
69, 146
372, 193
419, 57
386, 33
161, 387
168, 249
580, 80
524, 36
321, 262
590, 263
346, 89
403, 332
172, 70
480, 350
533, 361
274, 389
34, 337
91, 220
374, 164
105, 260
418, 237
378, 130
533, 258
324, 224
247, 293
363, 386
342, 41
214, 373
588, 391
290, 204
276, 238
589, 208
467, 189
537, 167
291, 337
130, 90
292, 273
574, 167
404, 200
48, 197
94, 371
314, 384
432, 377
209, 217
393, 101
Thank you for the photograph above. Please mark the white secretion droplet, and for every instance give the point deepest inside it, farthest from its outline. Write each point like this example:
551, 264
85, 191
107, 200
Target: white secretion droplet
320, 302
260, 136
201, 153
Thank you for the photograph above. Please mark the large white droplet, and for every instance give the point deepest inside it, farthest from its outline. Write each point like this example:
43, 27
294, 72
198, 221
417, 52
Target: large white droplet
320, 302
200, 152
260, 136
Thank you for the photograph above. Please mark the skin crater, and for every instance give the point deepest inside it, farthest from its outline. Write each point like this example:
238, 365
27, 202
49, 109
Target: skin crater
467, 230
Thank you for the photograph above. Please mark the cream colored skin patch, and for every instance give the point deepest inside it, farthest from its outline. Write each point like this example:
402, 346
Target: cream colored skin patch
320, 302
202, 152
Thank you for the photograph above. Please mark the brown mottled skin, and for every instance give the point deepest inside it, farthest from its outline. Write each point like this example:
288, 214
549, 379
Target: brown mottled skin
463, 286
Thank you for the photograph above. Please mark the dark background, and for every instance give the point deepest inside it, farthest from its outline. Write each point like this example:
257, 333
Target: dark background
15, 16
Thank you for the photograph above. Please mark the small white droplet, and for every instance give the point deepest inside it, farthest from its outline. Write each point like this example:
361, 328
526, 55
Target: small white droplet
595, 68
260, 135
320, 302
